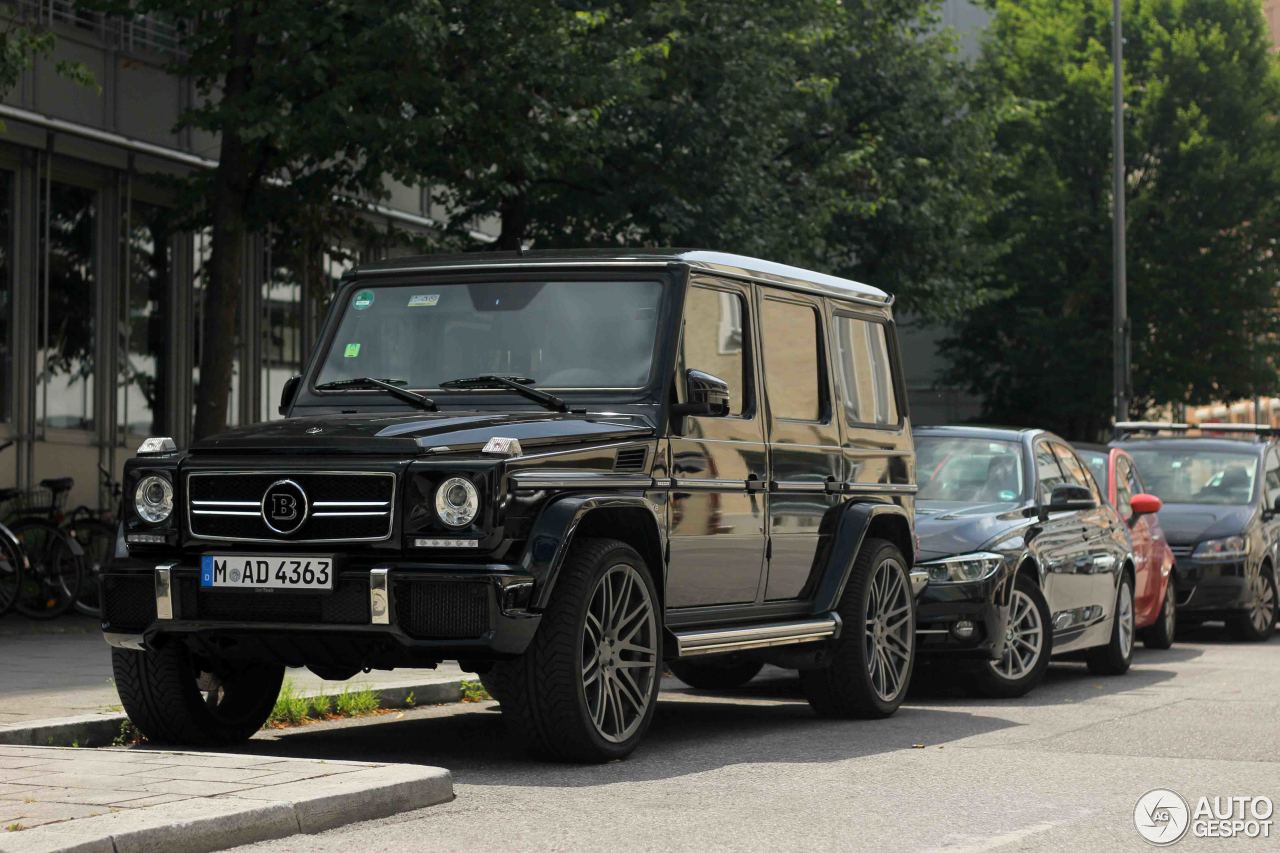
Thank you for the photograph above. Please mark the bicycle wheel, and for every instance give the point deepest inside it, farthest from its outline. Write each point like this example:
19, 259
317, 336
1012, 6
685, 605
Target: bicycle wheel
98, 539
52, 580
11, 564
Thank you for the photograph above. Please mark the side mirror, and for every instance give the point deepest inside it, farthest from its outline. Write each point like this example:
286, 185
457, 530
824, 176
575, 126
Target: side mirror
1144, 504
1068, 496
288, 392
704, 394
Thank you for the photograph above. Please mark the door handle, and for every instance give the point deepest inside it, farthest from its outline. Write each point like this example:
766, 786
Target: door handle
755, 483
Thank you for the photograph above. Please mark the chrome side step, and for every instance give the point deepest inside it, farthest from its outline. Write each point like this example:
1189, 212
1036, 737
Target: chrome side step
691, 643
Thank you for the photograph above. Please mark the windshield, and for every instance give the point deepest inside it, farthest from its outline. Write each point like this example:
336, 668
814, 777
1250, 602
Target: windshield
968, 470
1197, 477
560, 334
1097, 463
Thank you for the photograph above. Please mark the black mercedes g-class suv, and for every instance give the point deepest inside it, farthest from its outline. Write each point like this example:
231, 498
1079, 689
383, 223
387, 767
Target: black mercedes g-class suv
563, 471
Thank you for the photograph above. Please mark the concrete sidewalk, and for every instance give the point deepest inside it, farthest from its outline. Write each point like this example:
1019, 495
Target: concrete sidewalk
56, 686
116, 800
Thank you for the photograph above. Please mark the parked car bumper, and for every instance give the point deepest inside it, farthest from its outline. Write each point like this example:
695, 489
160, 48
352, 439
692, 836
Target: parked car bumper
377, 615
944, 611
1210, 588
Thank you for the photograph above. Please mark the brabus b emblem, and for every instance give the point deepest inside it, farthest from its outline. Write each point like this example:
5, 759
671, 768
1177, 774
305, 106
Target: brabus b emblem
284, 506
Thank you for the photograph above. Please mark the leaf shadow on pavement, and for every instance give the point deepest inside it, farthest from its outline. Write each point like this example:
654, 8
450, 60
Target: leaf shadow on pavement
692, 733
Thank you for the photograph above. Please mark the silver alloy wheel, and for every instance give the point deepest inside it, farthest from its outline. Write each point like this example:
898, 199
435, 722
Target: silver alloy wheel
1124, 613
1023, 638
1264, 603
619, 653
888, 636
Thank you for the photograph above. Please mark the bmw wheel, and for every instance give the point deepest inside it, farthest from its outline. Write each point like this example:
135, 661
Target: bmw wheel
1114, 658
1024, 649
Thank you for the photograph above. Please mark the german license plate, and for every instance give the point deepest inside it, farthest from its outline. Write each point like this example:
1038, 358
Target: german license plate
254, 571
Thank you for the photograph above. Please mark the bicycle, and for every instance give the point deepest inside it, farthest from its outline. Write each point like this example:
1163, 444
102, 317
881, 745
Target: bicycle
96, 532
50, 581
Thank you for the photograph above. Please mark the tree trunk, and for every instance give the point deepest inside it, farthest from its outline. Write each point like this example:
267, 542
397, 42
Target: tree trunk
231, 190
514, 213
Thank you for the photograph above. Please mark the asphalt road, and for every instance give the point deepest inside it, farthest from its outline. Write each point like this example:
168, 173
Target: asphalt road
1061, 769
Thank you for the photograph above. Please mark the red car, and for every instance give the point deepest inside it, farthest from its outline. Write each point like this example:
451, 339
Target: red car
1154, 598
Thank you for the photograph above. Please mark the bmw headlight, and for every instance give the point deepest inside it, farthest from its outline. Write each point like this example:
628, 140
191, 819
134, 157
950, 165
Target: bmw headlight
1228, 548
963, 568
457, 502
153, 499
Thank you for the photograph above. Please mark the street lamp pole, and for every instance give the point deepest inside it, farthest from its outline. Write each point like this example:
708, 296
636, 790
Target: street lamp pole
1120, 309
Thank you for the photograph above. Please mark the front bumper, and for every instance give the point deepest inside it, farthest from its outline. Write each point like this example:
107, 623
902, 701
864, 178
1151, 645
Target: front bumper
942, 607
378, 615
1211, 588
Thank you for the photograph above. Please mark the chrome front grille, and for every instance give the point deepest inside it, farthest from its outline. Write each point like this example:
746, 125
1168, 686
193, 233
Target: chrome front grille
342, 506
1181, 550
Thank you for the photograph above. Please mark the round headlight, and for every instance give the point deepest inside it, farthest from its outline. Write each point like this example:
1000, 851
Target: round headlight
153, 499
457, 502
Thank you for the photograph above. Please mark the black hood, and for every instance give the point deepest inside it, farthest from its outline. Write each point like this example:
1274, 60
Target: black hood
412, 433
945, 528
1186, 524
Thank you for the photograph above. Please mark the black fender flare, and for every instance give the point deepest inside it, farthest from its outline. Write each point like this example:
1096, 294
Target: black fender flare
850, 521
553, 532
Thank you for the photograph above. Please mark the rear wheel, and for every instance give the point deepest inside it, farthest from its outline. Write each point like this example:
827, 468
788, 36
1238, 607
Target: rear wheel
1258, 623
871, 660
716, 673
586, 688
11, 571
1114, 658
1160, 635
1025, 647
175, 697
53, 576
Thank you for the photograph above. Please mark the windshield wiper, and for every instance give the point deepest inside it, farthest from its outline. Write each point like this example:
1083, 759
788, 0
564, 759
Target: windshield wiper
388, 385
519, 384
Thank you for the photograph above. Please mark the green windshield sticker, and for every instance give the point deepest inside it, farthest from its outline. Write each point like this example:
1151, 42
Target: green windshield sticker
363, 300
1007, 495
423, 300
351, 351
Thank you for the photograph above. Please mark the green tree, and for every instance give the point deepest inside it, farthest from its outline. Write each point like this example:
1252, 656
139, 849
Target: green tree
1202, 94
315, 104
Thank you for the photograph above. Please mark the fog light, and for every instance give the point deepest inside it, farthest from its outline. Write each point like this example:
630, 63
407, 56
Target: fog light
963, 630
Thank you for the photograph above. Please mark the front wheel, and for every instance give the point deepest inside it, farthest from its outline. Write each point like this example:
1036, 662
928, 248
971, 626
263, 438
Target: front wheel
587, 686
1160, 635
871, 660
175, 697
1024, 649
1114, 658
1258, 623
716, 673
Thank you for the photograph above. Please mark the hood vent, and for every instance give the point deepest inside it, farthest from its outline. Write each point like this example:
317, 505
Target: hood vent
631, 459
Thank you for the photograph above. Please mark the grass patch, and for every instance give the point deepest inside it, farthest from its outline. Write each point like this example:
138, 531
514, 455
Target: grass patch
291, 707
321, 706
473, 691
353, 703
129, 734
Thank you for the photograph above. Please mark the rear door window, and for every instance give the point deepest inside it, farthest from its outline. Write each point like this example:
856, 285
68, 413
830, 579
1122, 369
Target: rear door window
792, 360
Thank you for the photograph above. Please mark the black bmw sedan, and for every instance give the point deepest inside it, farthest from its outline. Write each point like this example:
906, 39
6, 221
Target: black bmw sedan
1221, 515
1026, 559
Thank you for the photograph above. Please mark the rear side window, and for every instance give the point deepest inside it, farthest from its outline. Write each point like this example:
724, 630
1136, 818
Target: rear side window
792, 360
715, 340
866, 377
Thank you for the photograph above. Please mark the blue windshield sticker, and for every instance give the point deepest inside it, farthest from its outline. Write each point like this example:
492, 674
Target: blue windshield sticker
363, 300
423, 300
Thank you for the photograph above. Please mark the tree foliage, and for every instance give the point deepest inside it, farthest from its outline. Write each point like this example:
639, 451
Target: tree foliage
1202, 94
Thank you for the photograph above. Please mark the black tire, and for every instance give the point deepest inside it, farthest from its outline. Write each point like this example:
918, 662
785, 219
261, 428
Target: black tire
716, 673
1114, 658
489, 680
12, 568
1026, 648
54, 572
1258, 623
98, 540
166, 693
846, 687
549, 699
1160, 635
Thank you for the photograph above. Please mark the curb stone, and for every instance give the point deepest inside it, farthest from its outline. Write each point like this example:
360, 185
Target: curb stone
102, 729
230, 820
